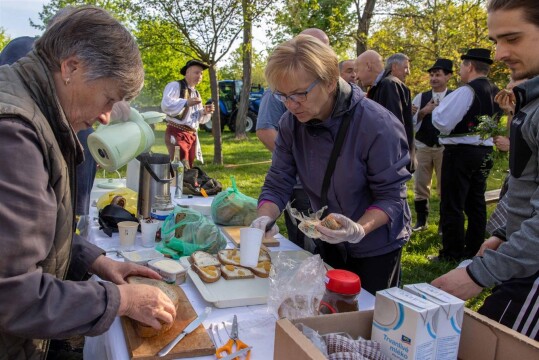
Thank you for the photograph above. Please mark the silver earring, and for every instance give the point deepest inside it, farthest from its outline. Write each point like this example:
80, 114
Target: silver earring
66, 81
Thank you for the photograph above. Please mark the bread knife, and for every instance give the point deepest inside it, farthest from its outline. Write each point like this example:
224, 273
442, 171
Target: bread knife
188, 329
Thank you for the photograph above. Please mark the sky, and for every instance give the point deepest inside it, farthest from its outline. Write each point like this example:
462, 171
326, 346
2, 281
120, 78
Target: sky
14, 15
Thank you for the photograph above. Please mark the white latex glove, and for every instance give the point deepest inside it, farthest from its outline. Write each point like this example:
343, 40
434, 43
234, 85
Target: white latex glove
120, 111
350, 231
261, 223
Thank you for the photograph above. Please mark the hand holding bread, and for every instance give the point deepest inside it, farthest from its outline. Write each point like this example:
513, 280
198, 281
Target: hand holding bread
349, 231
146, 304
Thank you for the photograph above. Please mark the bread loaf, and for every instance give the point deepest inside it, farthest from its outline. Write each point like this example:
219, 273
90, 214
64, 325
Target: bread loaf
172, 291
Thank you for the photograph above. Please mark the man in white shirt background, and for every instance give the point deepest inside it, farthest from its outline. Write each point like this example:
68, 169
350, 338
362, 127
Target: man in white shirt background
429, 151
183, 106
467, 157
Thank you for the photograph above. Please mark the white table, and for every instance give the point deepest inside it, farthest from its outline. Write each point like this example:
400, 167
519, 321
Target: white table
256, 323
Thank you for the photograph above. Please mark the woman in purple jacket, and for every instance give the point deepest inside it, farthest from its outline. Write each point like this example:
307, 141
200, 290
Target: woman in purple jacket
367, 189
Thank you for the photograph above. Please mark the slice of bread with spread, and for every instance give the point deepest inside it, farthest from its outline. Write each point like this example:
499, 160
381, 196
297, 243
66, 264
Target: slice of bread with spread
232, 272
206, 265
262, 269
229, 257
171, 290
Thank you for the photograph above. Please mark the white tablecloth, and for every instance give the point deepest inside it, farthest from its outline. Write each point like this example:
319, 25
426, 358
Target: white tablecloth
256, 323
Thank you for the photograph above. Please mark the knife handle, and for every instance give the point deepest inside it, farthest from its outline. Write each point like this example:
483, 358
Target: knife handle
164, 351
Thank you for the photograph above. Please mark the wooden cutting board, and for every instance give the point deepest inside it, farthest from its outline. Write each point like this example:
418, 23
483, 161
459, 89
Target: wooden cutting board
197, 343
233, 233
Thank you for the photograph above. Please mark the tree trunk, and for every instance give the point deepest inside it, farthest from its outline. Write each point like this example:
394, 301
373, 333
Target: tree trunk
247, 55
216, 118
363, 25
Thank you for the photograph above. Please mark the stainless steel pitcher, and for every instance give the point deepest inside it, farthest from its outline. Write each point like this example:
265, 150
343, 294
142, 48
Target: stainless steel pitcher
156, 175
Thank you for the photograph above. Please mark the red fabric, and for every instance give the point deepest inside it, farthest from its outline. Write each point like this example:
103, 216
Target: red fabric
187, 141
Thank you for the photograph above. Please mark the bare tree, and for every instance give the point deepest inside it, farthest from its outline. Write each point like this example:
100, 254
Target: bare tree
205, 29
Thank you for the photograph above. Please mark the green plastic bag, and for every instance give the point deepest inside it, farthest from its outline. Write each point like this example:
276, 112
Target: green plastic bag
231, 207
186, 231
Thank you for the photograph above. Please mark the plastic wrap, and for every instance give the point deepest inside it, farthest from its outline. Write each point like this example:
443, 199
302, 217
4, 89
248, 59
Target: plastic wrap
231, 207
189, 231
307, 223
296, 286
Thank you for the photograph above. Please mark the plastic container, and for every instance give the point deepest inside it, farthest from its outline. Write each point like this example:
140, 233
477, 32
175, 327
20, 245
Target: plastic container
142, 257
171, 270
342, 288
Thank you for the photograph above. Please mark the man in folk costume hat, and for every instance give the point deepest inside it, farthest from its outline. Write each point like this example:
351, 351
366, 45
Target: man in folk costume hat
466, 159
429, 152
183, 106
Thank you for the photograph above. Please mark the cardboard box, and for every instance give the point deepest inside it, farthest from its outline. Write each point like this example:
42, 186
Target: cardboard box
481, 337
448, 321
403, 324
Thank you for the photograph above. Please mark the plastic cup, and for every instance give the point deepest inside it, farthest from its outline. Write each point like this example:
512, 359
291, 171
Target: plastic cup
148, 232
128, 232
250, 241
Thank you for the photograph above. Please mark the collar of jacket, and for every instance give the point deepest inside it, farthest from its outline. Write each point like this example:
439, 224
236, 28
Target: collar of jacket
526, 92
40, 85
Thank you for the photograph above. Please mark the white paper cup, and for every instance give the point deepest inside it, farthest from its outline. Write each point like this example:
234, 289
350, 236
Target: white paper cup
250, 241
128, 232
148, 232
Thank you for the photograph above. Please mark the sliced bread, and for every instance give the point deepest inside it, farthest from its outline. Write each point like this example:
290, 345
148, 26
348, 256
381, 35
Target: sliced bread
262, 269
172, 291
206, 265
232, 272
229, 257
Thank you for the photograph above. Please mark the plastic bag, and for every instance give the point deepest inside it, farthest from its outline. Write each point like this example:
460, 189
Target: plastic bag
307, 223
231, 207
188, 231
122, 197
296, 286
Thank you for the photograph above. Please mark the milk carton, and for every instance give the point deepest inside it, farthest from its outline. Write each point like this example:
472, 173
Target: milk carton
449, 318
403, 325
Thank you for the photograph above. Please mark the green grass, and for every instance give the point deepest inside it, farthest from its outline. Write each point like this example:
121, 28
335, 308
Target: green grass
249, 173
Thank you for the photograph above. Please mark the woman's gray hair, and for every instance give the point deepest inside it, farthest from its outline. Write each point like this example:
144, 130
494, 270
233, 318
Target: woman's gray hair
105, 47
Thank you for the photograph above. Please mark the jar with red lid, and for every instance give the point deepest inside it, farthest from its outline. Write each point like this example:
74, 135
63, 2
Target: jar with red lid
342, 288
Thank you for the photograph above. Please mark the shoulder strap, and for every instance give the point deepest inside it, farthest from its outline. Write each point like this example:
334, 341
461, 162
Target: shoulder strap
337, 146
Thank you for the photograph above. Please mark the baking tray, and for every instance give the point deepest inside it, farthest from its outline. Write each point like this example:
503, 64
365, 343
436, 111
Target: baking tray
231, 293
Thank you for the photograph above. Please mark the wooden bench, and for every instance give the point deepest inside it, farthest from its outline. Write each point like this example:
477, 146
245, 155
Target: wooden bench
492, 196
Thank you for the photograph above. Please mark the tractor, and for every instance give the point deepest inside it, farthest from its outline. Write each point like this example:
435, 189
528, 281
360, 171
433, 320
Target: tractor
229, 100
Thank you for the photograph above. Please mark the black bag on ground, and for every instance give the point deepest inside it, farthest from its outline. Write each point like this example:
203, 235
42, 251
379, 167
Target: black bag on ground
195, 179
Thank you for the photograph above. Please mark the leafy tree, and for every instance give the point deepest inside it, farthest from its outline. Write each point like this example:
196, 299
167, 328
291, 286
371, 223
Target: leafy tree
251, 11
206, 29
428, 29
331, 16
364, 13
4, 38
120, 9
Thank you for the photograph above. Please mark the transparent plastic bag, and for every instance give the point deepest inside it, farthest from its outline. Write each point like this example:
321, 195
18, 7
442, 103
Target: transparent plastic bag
296, 286
231, 207
189, 231
123, 197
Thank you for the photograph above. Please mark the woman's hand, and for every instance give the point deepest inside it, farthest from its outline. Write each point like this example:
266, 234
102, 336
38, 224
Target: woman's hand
117, 272
350, 231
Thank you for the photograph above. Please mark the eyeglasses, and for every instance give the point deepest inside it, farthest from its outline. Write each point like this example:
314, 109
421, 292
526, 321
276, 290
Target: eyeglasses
297, 97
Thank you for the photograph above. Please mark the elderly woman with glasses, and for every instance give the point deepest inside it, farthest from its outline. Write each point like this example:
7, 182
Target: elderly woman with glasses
365, 192
82, 65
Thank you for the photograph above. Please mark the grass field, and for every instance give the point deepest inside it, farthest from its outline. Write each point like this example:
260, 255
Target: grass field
248, 161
